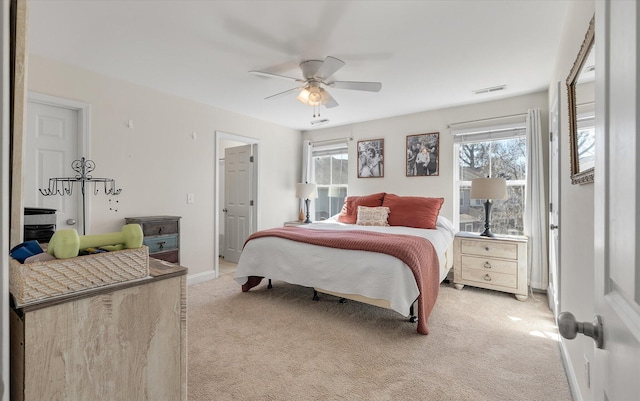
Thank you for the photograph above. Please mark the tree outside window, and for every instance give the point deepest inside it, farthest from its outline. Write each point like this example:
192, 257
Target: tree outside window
331, 178
503, 158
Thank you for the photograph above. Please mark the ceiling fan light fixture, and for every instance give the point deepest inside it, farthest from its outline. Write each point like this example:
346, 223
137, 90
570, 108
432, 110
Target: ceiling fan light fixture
303, 96
313, 95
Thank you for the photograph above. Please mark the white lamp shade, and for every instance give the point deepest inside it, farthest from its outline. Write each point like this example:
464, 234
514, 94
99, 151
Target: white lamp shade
489, 188
306, 191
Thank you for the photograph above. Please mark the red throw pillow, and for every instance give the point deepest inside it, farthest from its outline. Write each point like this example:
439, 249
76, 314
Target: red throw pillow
412, 211
349, 213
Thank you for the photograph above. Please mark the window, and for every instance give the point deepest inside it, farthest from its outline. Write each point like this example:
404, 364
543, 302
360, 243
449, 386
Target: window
492, 153
329, 169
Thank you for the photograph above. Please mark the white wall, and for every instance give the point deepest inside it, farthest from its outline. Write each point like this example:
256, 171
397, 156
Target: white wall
157, 162
576, 267
395, 130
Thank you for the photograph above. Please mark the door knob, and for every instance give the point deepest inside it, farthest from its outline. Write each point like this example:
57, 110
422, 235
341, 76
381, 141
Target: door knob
569, 328
553, 227
71, 222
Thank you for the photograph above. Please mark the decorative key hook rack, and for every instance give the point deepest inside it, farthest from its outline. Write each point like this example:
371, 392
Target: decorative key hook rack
64, 185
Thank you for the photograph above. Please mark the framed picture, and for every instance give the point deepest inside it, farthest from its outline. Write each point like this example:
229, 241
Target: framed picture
423, 154
370, 158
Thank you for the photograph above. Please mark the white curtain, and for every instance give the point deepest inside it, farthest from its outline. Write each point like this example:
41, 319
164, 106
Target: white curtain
307, 148
535, 218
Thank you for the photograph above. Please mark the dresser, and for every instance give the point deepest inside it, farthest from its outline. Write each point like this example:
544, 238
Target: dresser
121, 342
161, 235
497, 263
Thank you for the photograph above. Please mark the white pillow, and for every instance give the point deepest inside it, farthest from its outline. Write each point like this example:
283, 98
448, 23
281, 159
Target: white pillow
372, 216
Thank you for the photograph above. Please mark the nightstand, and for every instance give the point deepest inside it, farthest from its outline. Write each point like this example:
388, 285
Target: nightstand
161, 235
497, 263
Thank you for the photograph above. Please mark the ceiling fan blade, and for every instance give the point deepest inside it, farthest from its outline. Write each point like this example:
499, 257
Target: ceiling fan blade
270, 75
359, 86
329, 67
330, 101
282, 93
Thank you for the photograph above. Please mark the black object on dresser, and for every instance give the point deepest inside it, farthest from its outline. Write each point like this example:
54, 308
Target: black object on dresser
161, 235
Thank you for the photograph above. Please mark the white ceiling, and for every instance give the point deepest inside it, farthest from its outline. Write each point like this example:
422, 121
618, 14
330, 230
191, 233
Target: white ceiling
427, 54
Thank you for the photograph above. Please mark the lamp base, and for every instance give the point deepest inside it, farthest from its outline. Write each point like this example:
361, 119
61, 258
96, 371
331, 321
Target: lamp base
487, 216
487, 233
308, 220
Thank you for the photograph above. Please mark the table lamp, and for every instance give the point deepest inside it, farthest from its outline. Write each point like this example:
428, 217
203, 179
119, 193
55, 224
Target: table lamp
306, 191
488, 189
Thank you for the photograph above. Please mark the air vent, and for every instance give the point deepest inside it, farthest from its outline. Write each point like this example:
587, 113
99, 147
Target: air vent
320, 122
489, 90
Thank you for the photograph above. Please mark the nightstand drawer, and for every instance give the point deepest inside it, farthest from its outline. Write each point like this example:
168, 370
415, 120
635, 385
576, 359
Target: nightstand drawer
160, 228
489, 265
161, 243
168, 256
494, 249
490, 278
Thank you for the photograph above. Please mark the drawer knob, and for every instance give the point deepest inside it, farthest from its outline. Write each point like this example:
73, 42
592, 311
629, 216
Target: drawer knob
161, 244
487, 277
487, 265
486, 248
159, 230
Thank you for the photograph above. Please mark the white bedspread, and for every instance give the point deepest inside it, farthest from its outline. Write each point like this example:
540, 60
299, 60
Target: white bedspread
370, 274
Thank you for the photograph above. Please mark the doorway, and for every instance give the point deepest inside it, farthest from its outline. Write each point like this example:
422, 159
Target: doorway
56, 134
554, 203
225, 141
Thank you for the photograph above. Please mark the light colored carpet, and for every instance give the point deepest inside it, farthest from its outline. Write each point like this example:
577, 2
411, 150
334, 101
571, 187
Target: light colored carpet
279, 344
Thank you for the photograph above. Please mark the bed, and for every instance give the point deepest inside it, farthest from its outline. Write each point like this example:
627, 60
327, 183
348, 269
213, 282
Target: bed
368, 274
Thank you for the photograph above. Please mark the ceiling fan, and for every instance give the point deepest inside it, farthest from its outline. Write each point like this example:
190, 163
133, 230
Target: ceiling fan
316, 75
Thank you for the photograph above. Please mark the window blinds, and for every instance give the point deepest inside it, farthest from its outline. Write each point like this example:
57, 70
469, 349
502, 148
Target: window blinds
490, 133
489, 129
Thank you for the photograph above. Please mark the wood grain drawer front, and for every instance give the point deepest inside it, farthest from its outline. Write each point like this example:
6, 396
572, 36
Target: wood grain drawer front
490, 265
160, 228
490, 248
490, 278
161, 243
168, 256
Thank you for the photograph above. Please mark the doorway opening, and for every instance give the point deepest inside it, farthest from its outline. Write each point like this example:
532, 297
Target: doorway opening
225, 141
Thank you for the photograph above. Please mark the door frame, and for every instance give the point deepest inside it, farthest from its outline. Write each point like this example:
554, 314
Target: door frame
84, 134
554, 269
219, 152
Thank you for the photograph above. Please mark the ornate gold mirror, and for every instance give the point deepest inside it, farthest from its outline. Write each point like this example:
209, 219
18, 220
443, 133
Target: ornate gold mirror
581, 98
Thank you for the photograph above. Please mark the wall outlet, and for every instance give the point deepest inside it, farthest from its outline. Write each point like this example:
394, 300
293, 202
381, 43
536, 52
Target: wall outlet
587, 371
191, 198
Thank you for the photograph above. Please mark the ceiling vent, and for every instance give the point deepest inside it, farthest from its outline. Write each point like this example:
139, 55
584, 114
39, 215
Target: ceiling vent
316, 123
490, 90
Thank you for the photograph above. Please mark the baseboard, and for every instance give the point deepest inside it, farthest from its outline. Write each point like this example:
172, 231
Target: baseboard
571, 374
201, 277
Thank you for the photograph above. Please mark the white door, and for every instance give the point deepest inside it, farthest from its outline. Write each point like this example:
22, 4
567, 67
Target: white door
554, 202
617, 202
51, 145
221, 214
238, 199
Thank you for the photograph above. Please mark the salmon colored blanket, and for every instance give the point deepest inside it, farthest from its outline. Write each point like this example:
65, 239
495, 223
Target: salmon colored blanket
416, 252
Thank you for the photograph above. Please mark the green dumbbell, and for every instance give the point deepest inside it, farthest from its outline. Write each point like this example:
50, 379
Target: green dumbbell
66, 244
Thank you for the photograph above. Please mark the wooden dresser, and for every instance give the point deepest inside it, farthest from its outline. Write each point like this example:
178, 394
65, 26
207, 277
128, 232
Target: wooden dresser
496, 263
122, 342
161, 235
